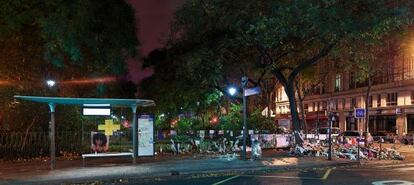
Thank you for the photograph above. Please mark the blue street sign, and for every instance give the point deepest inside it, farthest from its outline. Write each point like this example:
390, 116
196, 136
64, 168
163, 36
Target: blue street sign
252, 91
359, 113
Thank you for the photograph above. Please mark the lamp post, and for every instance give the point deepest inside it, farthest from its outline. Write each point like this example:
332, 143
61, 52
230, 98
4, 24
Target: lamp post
232, 91
244, 84
331, 119
51, 83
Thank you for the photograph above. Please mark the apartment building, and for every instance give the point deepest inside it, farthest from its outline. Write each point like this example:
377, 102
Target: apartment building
391, 101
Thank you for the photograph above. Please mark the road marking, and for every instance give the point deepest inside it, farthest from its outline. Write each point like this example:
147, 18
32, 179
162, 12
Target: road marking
401, 182
282, 177
225, 180
325, 176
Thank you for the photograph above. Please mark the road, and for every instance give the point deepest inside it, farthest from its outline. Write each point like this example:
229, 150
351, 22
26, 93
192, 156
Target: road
387, 174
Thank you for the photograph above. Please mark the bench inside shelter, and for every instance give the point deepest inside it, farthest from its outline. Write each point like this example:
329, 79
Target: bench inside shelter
98, 155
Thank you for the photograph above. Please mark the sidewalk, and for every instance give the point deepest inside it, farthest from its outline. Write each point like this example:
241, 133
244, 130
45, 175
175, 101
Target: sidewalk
183, 167
71, 171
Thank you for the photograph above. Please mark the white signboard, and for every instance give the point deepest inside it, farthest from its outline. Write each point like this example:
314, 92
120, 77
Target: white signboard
146, 136
252, 91
96, 111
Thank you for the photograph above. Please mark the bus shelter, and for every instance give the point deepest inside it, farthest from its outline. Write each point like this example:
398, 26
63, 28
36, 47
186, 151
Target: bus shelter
53, 101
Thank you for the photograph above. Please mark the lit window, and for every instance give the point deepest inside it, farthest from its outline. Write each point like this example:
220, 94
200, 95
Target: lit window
338, 84
412, 97
379, 100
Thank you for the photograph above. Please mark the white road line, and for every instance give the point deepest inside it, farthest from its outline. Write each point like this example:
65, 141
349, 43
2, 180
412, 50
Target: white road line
324, 177
282, 177
225, 180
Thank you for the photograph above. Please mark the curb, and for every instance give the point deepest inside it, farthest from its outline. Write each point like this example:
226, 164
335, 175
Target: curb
244, 170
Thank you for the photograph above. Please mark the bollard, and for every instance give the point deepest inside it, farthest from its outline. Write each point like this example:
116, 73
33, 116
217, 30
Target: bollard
380, 151
358, 148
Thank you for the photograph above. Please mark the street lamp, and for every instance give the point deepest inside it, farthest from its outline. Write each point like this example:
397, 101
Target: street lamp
51, 83
232, 91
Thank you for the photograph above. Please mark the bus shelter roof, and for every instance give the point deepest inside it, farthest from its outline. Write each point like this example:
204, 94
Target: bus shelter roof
83, 101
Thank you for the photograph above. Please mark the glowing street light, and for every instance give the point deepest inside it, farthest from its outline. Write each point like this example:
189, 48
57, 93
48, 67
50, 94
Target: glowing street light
232, 91
50, 83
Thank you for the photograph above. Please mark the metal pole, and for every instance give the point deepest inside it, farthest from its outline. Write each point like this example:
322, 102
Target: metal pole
330, 137
52, 136
358, 147
134, 133
244, 125
83, 135
244, 83
317, 123
380, 153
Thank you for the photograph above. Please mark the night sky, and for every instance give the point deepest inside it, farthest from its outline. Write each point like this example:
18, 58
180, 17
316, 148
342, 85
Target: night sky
153, 21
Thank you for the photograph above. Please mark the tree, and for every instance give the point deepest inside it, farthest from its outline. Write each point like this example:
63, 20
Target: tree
286, 36
305, 84
63, 40
370, 60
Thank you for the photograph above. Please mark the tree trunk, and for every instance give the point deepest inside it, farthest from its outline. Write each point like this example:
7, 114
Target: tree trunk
302, 111
27, 132
269, 105
367, 108
290, 92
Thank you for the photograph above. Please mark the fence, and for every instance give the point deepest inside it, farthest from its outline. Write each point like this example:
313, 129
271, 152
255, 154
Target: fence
36, 144
21, 145
18, 145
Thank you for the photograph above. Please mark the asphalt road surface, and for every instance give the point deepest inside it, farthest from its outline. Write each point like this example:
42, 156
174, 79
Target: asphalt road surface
402, 174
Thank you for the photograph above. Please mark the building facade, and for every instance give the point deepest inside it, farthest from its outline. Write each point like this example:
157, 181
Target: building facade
391, 100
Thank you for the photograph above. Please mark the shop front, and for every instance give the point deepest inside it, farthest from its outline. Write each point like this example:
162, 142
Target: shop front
383, 121
351, 123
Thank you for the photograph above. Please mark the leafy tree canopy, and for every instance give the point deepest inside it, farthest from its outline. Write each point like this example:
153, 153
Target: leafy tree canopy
281, 37
62, 40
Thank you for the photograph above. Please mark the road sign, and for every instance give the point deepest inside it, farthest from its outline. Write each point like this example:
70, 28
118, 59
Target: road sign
359, 113
252, 91
398, 111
